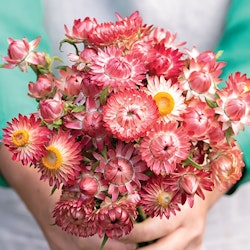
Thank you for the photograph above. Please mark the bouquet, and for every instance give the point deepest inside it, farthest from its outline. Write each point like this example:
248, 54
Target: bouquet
133, 126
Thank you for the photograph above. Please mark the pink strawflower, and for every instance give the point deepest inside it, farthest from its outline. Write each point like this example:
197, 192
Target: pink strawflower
189, 181
123, 169
234, 103
226, 166
164, 146
116, 219
75, 216
20, 53
62, 159
42, 88
129, 114
198, 119
158, 198
26, 139
111, 68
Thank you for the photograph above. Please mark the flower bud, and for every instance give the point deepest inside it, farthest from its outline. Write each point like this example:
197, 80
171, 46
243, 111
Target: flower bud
199, 82
51, 110
189, 183
235, 109
42, 87
89, 185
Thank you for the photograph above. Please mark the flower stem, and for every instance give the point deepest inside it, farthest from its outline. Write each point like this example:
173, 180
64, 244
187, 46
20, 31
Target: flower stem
193, 163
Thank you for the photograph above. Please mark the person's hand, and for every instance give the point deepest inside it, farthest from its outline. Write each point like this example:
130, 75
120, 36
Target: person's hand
183, 231
36, 196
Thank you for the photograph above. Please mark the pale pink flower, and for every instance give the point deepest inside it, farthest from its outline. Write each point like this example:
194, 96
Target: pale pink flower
226, 166
198, 119
42, 88
168, 98
111, 68
70, 83
158, 198
26, 139
116, 219
62, 159
20, 53
129, 114
234, 103
165, 146
123, 169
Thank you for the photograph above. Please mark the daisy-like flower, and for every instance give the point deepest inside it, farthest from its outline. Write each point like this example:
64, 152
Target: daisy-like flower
158, 198
25, 138
169, 99
75, 216
116, 219
62, 159
226, 166
123, 169
164, 146
111, 68
129, 114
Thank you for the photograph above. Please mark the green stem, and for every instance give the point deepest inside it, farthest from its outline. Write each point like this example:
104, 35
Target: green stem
193, 163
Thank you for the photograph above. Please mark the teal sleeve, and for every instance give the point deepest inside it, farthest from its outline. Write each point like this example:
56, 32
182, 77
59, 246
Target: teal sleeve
19, 19
235, 44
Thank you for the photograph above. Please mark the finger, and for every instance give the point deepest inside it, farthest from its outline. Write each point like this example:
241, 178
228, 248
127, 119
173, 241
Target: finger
178, 240
150, 229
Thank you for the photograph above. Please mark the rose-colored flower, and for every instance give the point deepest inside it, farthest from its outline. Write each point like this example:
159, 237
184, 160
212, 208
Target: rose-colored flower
116, 219
42, 87
20, 53
51, 110
123, 169
226, 166
26, 139
75, 216
62, 160
129, 114
164, 146
158, 198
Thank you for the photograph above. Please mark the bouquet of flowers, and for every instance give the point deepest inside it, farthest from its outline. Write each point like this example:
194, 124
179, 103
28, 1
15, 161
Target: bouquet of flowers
134, 126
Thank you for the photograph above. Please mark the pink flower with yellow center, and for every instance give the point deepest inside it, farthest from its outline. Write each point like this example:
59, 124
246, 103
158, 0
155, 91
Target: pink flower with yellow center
164, 146
129, 114
116, 219
26, 139
75, 216
123, 169
168, 98
111, 68
158, 198
62, 159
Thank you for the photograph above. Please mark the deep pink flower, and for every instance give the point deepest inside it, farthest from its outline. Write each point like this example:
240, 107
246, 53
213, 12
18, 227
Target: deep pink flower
26, 139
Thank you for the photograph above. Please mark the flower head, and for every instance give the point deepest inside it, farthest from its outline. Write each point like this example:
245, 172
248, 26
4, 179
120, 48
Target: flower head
164, 146
129, 114
26, 139
62, 159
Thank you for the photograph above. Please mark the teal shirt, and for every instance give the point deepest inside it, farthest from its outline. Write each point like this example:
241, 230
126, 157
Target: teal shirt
19, 19
235, 44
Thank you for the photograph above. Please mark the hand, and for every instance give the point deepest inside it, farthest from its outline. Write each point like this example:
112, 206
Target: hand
181, 232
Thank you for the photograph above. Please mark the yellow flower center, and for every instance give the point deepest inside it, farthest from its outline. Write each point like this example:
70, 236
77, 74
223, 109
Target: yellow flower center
53, 158
20, 138
164, 199
165, 102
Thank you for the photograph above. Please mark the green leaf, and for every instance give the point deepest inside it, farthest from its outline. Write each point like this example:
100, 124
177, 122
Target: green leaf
104, 241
